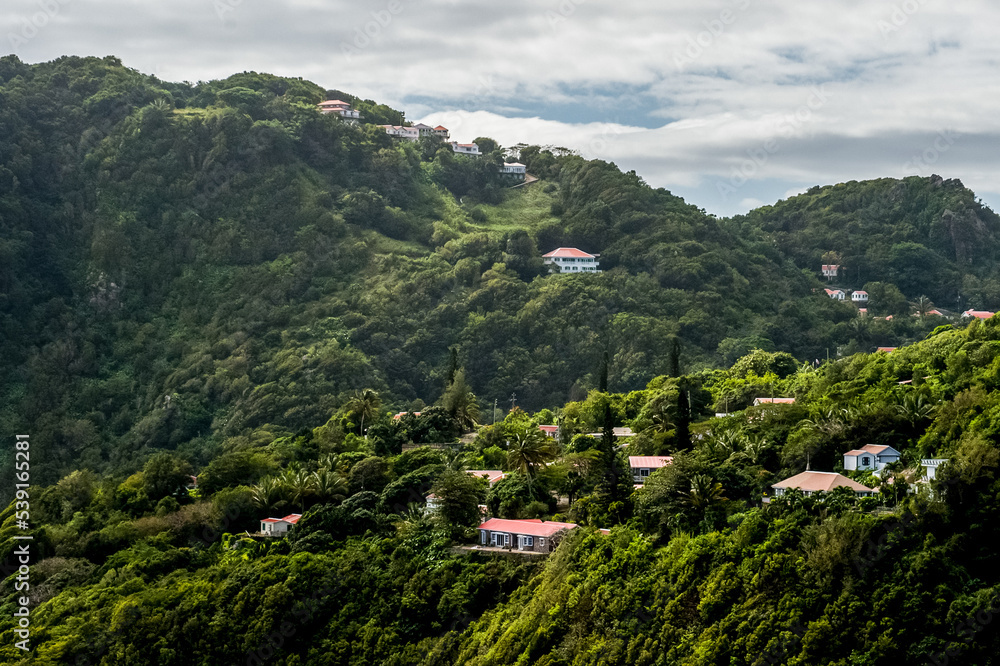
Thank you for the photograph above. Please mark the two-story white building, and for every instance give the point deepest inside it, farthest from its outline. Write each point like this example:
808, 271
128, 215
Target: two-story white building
830, 270
572, 260
465, 148
340, 107
401, 132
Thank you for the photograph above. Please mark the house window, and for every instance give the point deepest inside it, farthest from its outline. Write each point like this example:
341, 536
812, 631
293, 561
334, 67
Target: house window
643, 472
484, 538
541, 542
866, 461
526, 541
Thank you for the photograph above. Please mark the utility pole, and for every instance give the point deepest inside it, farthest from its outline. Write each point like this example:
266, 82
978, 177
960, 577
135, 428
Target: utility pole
513, 401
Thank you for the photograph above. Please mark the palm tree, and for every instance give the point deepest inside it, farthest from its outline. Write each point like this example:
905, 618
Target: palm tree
529, 450
916, 408
298, 485
922, 306
703, 493
365, 403
268, 494
329, 485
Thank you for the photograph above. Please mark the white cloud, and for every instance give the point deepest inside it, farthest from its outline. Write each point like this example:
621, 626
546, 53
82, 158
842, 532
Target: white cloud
712, 84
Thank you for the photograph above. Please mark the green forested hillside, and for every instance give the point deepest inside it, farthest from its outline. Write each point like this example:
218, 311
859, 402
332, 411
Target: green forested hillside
694, 570
214, 280
201, 266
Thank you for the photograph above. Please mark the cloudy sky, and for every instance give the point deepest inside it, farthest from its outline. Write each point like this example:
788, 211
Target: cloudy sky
729, 103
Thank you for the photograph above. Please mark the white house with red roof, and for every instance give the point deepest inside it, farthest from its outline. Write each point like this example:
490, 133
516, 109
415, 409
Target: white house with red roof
465, 148
537, 536
830, 270
441, 132
859, 296
812, 482
835, 294
757, 402
643, 466
572, 260
278, 527
401, 132
340, 107
870, 457
977, 314
550, 430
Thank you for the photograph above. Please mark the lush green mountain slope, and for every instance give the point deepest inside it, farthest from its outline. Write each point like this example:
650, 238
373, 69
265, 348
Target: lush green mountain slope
700, 574
929, 237
205, 266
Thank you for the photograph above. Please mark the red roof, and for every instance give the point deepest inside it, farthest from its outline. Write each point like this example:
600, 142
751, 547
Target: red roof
826, 481
886, 349
871, 449
441, 127
335, 102
292, 518
978, 314
270, 520
548, 428
529, 527
653, 462
570, 252
491, 475
400, 415
774, 401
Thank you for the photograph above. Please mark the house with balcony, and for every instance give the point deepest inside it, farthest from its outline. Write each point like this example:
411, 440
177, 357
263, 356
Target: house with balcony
401, 132
465, 148
572, 260
931, 466
830, 270
341, 108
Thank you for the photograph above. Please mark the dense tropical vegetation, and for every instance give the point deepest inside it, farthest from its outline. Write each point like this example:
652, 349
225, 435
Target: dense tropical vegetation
214, 280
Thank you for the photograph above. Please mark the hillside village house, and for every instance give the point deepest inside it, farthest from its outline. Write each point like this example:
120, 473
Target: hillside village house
441, 132
643, 466
515, 168
835, 294
572, 260
830, 270
870, 457
401, 132
278, 527
491, 475
550, 430
811, 482
859, 296
616, 432
757, 402
977, 314
536, 536
465, 148
339, 107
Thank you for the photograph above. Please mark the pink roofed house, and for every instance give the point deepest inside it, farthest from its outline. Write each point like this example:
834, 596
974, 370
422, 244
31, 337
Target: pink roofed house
572, 260
643, 466
491, 475
977, 314
537, 536
757, 402
813, 482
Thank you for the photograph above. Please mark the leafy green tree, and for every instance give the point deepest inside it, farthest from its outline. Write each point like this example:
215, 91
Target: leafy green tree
460, 402
458, 497
165, 474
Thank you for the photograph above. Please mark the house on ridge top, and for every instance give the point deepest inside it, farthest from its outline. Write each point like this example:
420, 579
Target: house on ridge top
572, 260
